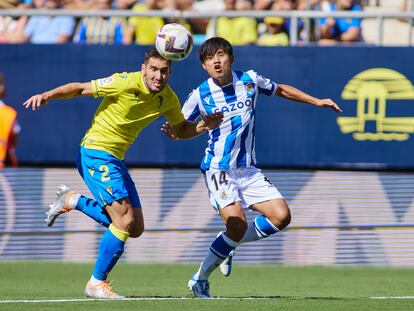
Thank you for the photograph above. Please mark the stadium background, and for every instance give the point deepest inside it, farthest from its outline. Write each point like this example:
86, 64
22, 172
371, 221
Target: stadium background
351, 200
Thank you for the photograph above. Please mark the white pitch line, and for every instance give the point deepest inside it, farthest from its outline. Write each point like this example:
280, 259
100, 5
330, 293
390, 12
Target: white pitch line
130, 299
87, 299
394, 297
165, 298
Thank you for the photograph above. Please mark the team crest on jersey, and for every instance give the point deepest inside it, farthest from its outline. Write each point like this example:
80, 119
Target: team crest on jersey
105, 81
249, 89
109, 189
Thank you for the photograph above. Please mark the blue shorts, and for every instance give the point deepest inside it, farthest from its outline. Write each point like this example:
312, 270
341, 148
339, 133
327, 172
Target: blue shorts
107, 177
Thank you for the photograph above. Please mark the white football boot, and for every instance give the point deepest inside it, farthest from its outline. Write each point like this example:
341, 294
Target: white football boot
101, 291
60, 205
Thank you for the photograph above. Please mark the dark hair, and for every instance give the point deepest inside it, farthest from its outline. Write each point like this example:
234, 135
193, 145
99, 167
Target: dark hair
153, 53
212, 45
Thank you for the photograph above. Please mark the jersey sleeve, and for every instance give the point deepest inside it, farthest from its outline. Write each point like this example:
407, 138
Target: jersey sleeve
191, 109
109, 86
265, 86
174, 115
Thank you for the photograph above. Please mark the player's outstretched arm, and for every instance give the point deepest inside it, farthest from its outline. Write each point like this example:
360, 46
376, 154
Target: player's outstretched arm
289, 92
188, 129
69, 90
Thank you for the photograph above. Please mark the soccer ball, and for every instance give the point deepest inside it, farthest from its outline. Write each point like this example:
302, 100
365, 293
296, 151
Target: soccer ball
174, 42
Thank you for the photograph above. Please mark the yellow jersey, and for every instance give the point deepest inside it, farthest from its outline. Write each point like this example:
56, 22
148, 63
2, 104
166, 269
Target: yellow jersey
278, 39
146, 27
237, 30
126, 109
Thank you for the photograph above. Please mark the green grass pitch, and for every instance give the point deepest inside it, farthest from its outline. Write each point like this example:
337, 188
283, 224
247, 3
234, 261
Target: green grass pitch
250, 287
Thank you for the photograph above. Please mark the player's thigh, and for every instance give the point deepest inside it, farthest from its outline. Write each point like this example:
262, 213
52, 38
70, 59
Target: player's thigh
126, 218
222, 188
128, 210
121, 212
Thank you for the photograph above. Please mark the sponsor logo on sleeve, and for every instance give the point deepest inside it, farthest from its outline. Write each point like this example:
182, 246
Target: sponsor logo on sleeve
105, 81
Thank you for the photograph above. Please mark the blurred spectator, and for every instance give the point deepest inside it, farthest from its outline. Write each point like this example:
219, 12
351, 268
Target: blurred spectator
275, 34
28, 4
11, 27
182, 5
125, 4
9, 4
101, 30
78, 4
47, 29
237, 30
263, 4
407, 6
143, 29
199, 25
340, 29
288, 5
9, 129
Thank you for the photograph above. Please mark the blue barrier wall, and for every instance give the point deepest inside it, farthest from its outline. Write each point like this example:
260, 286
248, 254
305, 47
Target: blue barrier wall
289, 134
338, 218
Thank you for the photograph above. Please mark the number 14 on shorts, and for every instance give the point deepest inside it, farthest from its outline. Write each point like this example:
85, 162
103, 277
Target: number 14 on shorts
220, 180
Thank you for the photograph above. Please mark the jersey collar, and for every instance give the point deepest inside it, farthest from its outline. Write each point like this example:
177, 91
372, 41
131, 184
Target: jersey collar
233, 78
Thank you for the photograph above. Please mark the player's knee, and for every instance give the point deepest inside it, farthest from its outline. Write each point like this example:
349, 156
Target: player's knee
136, 231
281, 219
236, 228
285, 221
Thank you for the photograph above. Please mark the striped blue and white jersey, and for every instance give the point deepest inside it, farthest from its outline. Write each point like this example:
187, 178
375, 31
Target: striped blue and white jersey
231, 145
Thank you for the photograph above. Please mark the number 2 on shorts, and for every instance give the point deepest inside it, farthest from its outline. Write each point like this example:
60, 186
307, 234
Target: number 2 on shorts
105, 170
